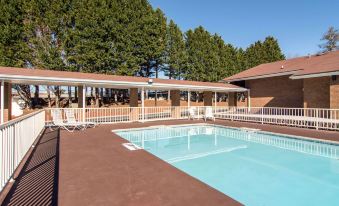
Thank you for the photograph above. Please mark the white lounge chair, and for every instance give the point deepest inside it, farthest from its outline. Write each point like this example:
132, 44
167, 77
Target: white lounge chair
57, 121
192, 113
70, 117
209, 114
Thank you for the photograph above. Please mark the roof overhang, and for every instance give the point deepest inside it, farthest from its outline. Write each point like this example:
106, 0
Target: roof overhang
41, 80
261, 76
306, 76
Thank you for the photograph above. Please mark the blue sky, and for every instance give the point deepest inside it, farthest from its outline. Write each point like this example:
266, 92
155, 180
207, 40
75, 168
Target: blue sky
298, 24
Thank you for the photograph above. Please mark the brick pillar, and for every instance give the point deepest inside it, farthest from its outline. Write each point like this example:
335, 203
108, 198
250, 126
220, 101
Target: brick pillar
7, 101
208, 98
232, 99
334, 93
175, 98
133, 102
80, 96
175, 102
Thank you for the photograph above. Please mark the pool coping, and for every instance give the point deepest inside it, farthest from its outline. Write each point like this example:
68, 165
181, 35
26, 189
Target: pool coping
296, 137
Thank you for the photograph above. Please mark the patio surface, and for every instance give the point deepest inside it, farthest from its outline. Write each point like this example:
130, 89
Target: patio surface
92, 168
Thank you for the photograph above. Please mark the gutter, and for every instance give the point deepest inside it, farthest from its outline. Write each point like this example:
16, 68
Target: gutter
74, 81
306, 76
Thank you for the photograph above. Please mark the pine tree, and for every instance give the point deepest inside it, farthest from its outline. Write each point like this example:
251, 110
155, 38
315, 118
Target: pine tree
91, 36
263, 52
272, 51
13, 48
331, 38
175, 57
198, 44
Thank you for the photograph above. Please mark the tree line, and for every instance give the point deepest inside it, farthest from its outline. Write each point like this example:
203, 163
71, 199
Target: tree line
123, 37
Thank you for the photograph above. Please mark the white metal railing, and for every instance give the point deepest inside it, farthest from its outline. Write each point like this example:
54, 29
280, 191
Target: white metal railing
124, 114
300, 117
16, 138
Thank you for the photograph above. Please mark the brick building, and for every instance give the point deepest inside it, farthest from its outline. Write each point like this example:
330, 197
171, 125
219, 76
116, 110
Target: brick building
309, 82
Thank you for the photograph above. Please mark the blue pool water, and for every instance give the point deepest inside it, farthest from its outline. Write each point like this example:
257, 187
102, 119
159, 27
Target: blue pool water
253, 167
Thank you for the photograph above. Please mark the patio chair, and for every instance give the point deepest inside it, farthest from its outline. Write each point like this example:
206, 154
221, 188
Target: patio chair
57, 121
192, 113
70, 117
209, 114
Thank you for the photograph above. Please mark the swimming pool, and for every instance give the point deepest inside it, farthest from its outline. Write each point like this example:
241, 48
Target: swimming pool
253, 167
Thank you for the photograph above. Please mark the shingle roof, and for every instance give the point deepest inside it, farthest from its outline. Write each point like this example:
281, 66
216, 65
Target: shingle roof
300, 67
23, 75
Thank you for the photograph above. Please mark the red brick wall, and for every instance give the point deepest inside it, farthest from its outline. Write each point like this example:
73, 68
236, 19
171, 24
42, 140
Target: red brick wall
334, 93
317, 92
276, 92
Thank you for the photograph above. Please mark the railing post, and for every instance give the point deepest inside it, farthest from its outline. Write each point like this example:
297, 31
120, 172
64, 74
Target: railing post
317, 119
232, 113
84, 103
262, 115
198, 112
143, 104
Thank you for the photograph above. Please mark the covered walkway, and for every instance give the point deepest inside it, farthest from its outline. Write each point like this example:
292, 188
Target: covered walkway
136, 86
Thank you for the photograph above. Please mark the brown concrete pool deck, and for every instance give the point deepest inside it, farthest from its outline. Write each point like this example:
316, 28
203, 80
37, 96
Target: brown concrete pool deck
92, 168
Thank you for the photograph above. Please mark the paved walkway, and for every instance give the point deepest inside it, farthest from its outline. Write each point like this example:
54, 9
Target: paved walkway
37, 184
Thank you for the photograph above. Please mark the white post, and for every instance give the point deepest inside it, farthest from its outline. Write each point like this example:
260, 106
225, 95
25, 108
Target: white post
143, 104
317, 119
189, 98
84, 103
2, 104
169, 95
249, 100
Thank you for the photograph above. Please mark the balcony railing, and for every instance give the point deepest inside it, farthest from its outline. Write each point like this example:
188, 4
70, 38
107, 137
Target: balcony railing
16, 138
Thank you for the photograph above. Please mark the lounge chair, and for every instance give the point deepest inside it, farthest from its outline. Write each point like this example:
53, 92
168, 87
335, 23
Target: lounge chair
70, 117
192, 113
57, 121
209, 114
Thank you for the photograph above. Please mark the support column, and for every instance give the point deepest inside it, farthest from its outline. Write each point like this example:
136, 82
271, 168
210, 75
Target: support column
215, 99
80, 96
207, 98
82, 100
143, 104
232, 99
175, 103
6, 101
133, 103
189, 98
249, 99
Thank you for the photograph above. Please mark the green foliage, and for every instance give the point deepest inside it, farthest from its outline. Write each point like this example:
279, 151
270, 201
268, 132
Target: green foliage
125, 37
209, 58
13, 48
175, 56
263, 52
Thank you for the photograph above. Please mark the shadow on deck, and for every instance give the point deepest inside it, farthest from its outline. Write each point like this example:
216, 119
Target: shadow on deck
37, 183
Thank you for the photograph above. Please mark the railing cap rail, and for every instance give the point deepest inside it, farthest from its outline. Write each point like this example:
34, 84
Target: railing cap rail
6, 124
